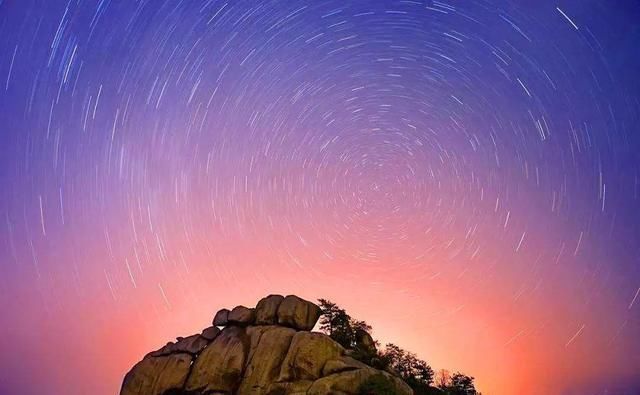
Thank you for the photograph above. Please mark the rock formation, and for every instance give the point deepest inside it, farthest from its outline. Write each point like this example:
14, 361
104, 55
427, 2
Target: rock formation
266, 350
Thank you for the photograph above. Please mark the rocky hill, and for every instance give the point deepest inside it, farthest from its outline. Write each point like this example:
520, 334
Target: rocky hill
266, 350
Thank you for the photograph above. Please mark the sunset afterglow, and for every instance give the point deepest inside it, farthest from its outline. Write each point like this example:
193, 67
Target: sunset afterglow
464, 176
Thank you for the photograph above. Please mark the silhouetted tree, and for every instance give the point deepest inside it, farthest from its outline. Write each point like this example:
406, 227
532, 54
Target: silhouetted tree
355, 336
360, 326
442, 378
329, 312
414, 371
461, 384
336, 323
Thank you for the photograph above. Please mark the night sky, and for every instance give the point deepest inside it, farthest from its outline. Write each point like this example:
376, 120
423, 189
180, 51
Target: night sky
463, 175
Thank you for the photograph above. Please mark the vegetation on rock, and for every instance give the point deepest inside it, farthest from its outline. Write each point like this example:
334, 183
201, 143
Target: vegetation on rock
269, 349
266, 350
354, 335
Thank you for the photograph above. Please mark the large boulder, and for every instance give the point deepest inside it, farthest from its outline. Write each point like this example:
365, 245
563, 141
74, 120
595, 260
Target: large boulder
289, 388
210, 333
221, 318
191, 345
220, 366
349, 382
242, 316
298, 313
342, 364
307, 355
157, 375
267, 310
269, 345
365, 342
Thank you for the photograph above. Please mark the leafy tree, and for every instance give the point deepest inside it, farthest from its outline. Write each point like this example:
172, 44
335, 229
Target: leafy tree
329, 312
422, 376
442, 378
360, 326
355, 336
461, 384
335, 322
414, 371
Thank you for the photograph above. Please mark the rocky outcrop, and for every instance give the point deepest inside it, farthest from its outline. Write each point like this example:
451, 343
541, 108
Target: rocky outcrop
267, 310
221, 318
298, 313
158, 375
241, 315
266, 350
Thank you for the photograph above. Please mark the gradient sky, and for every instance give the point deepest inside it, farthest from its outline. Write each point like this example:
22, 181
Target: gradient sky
463, 175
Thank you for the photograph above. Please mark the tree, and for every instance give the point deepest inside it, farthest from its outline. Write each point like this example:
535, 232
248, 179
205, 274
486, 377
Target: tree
423, 373
360, 326
329, 312
354, 335
414, 371
443, 378
461, 384
336, 323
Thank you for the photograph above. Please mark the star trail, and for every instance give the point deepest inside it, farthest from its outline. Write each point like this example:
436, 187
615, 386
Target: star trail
464, 175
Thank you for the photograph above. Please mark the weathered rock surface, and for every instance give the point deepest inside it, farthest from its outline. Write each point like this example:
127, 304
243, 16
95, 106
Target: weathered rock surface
345, 382
307, 355
210, 333
263, 351
265, 359
157, 375
267, 310
241, 315
191, 345
219, 368
342, 364
221, 318
365, 342
298, 313
290, 388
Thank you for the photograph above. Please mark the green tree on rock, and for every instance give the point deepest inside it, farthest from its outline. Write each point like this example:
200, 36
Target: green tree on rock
355, 336
460, 384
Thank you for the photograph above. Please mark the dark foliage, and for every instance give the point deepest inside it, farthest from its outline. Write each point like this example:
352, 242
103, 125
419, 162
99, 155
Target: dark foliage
414, 371
460, 384
341, 327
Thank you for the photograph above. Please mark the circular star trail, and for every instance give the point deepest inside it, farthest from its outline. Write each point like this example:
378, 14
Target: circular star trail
462, 175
